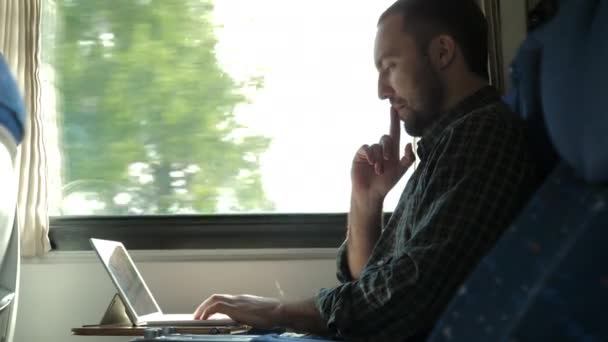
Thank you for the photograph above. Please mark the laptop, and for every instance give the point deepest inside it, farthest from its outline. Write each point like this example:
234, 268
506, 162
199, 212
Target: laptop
141, 307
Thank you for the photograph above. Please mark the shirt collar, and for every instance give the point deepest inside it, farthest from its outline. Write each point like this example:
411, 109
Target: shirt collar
480, 98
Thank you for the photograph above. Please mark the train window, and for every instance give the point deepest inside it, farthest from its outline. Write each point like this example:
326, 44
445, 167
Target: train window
173, 107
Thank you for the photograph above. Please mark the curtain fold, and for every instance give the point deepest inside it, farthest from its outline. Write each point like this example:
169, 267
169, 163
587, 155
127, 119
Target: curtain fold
20, 44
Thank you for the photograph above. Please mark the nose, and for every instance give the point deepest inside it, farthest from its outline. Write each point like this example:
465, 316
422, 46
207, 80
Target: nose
385, 91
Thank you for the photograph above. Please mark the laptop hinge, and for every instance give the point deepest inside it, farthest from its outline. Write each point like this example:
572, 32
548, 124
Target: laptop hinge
116, 313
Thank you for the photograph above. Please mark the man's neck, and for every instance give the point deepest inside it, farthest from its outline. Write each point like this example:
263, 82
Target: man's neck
455, 92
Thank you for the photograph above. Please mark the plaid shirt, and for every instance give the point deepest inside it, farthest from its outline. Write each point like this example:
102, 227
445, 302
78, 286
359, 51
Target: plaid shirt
475, 174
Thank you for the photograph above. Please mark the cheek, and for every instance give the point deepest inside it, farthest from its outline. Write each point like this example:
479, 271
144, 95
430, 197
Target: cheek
402, 83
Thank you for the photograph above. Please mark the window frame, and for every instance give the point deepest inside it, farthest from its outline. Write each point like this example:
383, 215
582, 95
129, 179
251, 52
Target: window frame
249, 231
228, 231
234, 231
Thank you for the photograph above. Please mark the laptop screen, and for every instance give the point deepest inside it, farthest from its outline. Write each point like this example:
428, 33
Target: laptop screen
125, 276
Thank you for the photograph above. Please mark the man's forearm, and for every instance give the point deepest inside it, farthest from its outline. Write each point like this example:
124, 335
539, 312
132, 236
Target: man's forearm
302, 317
364, 228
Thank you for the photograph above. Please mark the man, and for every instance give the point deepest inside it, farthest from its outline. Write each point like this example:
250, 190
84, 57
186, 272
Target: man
474, 175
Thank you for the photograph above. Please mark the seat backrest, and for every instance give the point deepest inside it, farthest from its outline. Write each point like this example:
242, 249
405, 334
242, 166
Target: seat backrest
546, 278
525, 100
11, 134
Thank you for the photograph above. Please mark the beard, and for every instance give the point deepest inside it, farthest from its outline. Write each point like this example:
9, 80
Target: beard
430, 96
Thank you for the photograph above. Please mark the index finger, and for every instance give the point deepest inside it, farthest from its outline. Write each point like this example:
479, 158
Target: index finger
395, 129
204, 305
200, 310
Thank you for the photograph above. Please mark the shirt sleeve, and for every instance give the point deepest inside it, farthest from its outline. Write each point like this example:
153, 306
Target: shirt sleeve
343, 271
12, 112
474, 190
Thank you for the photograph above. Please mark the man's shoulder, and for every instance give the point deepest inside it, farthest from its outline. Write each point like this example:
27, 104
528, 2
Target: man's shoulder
495, 118
493, 129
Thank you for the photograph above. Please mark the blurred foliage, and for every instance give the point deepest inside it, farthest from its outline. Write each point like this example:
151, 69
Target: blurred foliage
148, 113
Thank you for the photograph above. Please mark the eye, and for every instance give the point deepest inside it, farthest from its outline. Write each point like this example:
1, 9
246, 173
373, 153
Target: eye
390, 66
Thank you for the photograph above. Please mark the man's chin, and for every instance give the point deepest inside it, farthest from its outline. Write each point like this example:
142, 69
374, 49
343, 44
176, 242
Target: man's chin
411, 128
415, 133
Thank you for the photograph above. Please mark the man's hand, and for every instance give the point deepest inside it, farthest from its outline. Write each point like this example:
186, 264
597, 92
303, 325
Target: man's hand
377, 168
375, 171
255, 311
265, 313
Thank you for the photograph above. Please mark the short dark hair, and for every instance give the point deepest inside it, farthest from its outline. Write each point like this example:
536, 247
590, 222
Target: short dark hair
460, 19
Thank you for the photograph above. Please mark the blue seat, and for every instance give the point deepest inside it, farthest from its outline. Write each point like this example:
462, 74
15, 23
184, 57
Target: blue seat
524, 99
12, 115
547, 279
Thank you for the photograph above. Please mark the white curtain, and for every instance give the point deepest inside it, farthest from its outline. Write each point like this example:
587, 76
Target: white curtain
20, 44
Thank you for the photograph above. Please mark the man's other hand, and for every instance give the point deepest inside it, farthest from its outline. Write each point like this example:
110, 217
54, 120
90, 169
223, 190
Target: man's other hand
259, 312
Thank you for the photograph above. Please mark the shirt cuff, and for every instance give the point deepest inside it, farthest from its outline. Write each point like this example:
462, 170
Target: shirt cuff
333, 308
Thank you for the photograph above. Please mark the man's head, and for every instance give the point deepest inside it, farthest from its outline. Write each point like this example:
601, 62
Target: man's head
428, 52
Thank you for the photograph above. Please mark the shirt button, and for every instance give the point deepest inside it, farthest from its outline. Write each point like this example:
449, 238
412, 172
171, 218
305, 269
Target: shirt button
380, 263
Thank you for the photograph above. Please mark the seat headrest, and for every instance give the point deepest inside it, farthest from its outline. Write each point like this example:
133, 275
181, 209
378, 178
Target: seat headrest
12, 112
574, 75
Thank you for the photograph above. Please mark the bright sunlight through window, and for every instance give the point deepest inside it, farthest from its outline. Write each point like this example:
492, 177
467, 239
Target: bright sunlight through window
203, 106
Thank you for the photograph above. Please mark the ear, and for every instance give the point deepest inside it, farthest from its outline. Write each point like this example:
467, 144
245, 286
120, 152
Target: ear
442, 51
